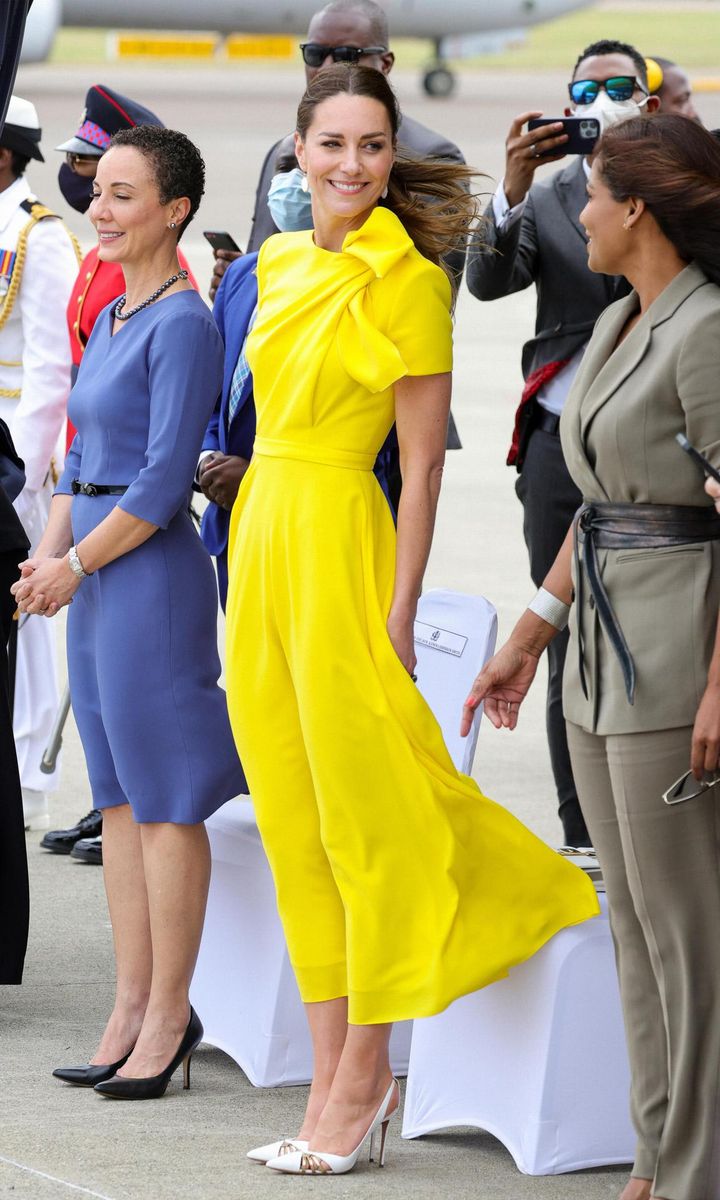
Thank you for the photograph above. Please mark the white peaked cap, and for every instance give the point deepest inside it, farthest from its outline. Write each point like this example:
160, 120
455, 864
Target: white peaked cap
22, 113
22, 131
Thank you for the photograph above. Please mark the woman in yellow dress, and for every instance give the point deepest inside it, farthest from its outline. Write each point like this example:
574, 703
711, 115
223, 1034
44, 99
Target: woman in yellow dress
400, 886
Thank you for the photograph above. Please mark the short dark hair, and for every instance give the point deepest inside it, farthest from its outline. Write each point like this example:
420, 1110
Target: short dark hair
18, 163
176, 162
375, 15
605, 46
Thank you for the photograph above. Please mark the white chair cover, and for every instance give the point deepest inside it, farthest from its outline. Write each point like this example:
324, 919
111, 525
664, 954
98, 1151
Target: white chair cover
243, 988
537, 1059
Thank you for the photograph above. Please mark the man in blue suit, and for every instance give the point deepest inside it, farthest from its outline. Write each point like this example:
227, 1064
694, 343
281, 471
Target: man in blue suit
227, 446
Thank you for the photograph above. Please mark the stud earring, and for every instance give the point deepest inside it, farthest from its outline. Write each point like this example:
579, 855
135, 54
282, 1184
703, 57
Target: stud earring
304, 185
172, 225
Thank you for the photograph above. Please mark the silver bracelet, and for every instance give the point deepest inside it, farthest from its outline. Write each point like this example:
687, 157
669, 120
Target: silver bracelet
75, 565
550, 609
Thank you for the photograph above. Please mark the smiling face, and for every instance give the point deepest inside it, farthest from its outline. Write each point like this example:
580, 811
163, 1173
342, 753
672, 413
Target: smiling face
347, 156
606, 223
126, 209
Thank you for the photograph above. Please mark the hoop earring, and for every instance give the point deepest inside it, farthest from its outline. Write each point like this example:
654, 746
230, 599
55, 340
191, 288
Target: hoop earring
384, 192
304, 185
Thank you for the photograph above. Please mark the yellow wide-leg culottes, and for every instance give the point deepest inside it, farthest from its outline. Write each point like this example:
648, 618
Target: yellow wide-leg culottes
399, 884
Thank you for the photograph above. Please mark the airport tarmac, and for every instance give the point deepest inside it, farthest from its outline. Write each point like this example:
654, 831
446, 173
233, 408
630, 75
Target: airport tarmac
57, 1141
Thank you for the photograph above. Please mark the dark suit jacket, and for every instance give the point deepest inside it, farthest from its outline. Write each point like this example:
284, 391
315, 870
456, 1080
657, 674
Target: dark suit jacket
12, 27
234, 305
14, 895
547, 247
412, 136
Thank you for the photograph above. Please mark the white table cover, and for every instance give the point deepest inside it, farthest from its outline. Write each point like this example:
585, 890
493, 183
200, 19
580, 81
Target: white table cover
244, 989
537, 1059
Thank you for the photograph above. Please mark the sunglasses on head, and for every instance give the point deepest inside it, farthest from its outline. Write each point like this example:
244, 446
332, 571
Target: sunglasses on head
315, 53
619, 87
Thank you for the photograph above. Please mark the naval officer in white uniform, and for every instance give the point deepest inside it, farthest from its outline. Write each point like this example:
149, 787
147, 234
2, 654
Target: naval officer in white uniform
38, 265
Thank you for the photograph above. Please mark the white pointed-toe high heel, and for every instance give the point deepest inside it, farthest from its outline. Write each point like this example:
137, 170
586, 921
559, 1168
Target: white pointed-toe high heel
277, 1149
315, 1162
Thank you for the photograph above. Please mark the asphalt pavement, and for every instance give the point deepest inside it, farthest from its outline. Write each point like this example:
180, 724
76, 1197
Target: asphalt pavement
57, 1141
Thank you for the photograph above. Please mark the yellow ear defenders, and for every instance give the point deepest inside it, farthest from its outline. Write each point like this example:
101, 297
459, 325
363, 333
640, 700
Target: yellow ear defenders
655, 76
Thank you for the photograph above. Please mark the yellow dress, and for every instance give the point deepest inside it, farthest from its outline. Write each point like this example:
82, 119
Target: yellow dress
398, 883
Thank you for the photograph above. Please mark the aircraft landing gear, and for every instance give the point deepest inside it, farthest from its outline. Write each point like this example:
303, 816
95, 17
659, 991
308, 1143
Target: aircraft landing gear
438, 80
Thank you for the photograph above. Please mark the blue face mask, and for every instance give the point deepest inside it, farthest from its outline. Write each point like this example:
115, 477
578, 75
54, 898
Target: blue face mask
290, 207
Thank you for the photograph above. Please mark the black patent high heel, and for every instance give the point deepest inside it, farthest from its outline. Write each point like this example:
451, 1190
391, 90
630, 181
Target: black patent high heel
121, 1088
91, 1074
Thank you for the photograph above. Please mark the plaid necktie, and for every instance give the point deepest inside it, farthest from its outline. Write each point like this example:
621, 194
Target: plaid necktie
240, 374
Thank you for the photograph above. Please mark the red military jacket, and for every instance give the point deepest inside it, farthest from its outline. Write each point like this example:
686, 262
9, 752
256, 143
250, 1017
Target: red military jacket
97, 284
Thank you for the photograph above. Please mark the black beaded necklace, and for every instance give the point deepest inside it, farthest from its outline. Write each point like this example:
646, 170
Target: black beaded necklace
125, 316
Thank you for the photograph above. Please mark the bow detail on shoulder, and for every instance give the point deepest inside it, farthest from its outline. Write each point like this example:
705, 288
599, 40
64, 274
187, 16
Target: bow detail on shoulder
367, 354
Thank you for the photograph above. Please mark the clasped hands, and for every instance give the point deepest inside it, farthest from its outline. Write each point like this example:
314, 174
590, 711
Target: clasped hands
45, 586
220, 476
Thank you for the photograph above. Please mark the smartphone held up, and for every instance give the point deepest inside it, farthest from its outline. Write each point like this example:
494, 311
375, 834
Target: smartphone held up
581, 132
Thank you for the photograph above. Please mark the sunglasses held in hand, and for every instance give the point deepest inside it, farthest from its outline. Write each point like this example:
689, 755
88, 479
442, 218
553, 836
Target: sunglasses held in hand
687, 787
315, 53
618, 87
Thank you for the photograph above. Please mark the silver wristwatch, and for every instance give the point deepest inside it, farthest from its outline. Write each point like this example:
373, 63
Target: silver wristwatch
75, 565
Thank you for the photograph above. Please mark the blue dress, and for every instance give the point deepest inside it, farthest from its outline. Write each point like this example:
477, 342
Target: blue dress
142, 641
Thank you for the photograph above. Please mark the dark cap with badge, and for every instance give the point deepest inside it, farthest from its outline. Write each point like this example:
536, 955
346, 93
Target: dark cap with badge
104, 114
22, 131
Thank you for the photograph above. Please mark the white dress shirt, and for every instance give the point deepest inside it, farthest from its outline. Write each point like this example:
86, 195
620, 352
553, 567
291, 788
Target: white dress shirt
552, 395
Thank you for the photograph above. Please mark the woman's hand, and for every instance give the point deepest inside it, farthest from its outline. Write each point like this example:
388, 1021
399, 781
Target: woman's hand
45, 586
400, 627
713, 489
502, 684
705, 753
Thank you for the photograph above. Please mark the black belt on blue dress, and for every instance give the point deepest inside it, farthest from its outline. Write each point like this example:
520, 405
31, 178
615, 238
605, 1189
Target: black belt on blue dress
626, 526
95, 489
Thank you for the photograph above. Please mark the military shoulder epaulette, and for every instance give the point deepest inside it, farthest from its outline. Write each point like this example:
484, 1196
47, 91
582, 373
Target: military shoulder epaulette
36, 210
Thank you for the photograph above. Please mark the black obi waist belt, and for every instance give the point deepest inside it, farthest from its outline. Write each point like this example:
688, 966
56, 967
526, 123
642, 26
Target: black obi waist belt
630, 526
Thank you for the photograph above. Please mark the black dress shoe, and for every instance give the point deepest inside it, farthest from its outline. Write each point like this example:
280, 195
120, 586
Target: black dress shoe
88, 850
61, 841
122, 1088
91, 1074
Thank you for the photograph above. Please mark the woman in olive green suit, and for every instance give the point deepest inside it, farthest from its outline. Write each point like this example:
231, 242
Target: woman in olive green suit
642, 684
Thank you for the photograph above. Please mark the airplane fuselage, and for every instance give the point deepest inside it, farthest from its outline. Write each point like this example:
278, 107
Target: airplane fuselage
412, 18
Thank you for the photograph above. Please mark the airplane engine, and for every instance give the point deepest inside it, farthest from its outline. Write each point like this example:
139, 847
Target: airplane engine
42, 24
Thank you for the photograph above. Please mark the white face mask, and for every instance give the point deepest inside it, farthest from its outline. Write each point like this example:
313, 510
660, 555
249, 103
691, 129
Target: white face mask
610, 112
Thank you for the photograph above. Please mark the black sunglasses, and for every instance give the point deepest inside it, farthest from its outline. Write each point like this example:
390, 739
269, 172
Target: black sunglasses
618, 87
315, 53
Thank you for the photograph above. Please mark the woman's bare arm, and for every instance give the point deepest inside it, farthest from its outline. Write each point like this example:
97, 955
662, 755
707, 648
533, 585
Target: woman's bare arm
422, 404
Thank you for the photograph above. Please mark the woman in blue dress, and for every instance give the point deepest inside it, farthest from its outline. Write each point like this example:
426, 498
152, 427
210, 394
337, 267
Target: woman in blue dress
142, 651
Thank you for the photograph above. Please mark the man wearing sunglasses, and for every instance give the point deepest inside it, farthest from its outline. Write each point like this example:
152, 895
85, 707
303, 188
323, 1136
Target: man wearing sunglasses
534, 236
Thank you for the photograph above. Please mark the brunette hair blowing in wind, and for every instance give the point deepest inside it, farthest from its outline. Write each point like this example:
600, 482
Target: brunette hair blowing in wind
673, 164
430, 196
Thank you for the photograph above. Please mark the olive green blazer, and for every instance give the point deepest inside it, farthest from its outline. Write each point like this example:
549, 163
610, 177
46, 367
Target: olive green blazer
618, 432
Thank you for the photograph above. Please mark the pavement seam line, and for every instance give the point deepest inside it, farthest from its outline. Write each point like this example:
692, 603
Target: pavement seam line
53, 1178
